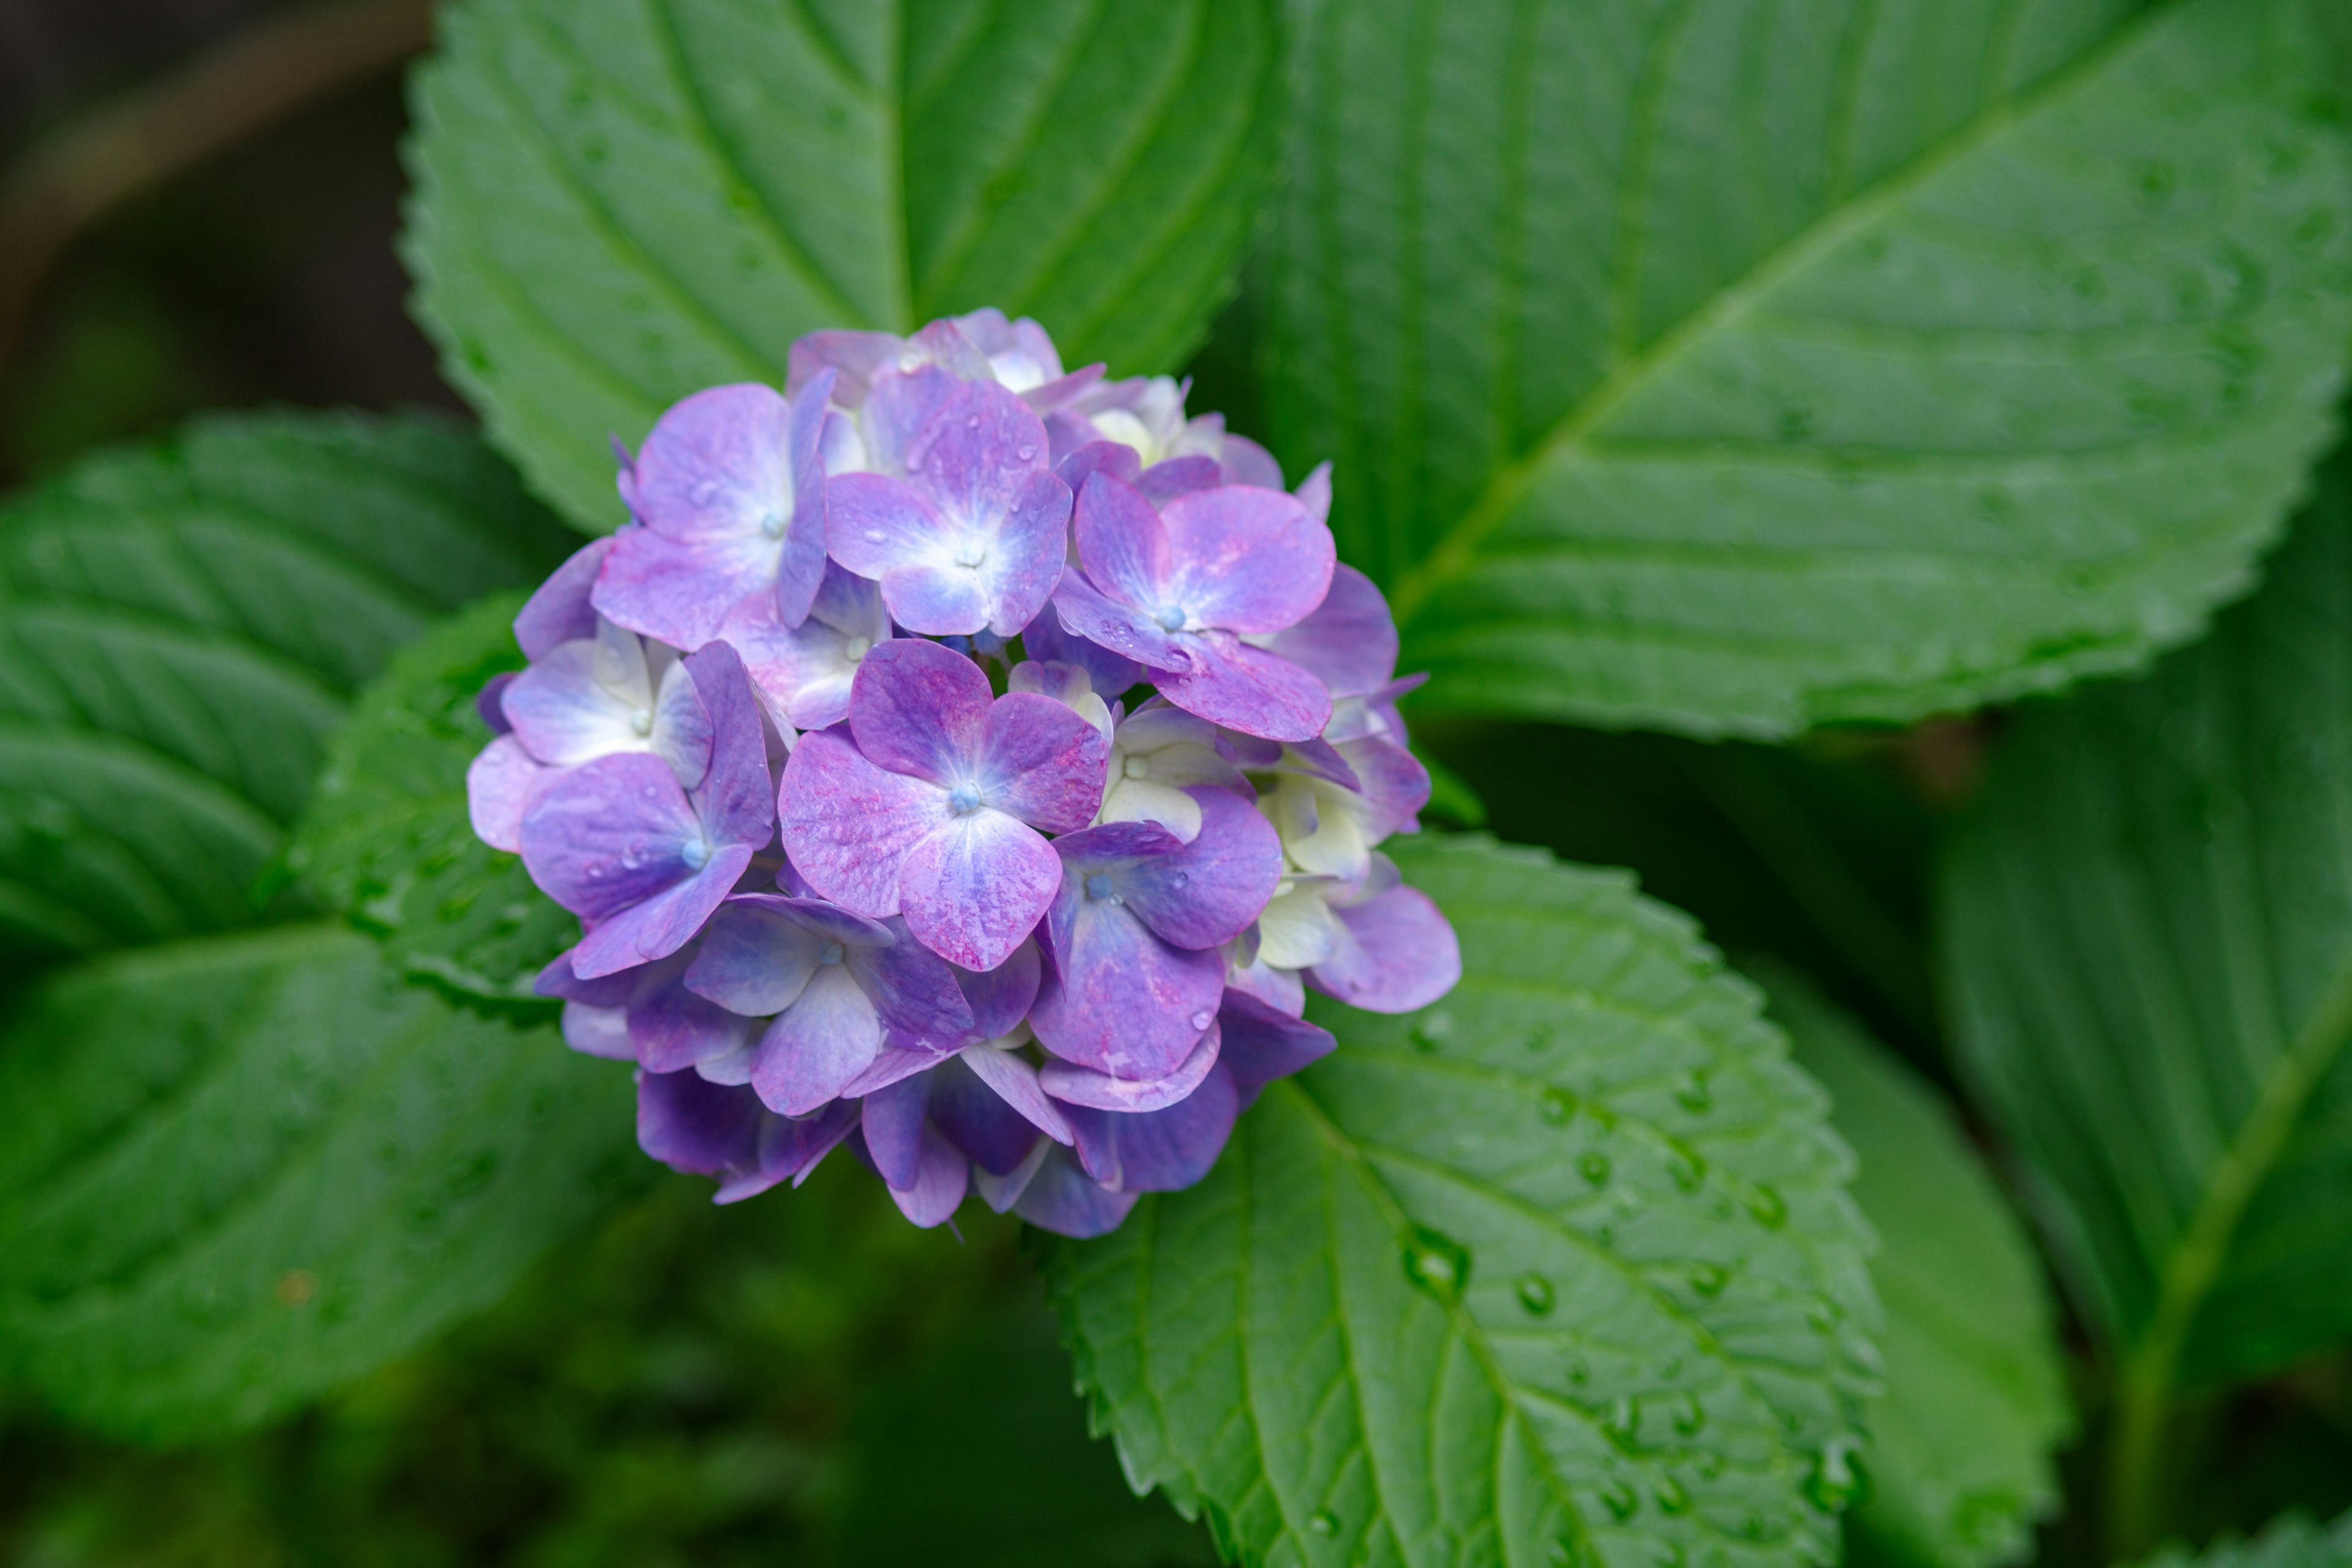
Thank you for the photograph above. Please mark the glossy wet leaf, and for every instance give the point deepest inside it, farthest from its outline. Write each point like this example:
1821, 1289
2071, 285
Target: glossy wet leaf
1959, 1464
238, 1171
182, 624
1731, 371
2292, 1541
2148, 931
387, 839
1562, 1269
623, 201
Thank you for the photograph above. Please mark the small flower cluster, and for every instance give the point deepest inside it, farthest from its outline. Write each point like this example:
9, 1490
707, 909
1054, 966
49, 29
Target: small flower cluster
967, 762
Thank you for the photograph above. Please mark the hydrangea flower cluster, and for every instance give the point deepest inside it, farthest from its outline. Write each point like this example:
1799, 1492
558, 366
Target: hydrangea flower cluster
967, 762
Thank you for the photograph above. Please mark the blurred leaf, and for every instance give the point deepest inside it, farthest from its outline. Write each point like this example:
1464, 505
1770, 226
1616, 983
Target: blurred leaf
623, 201
1691, 371
387, 838
179, 627
237, 1172
1010, 1477
1562, 1269
2293, 1541
1452, 801
1958, 1459
2148, 929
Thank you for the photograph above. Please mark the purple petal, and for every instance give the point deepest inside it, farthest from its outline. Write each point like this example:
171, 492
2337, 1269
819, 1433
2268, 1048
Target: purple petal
1174, 477
915, 992
1396, 953
972, 889
737, 798
609, 834
849, 826
805, 670
1000, 997
802, 569
498, 782
1010, 1080
1244, 560
1075, 1085
976, 1119
856, 358
1248, 689
1318, 758
559, 610
940, 1184
892, 1066
919, 709
814, 1047
1161, 1150
558, 979
1350, 642
691, 1125
1001, 1192
1061, 1198
673, 1027
892, 1121
717, 469
1393, 781
1313, 492
1048, 642
1280, 989
489, 702
679, 592
755, 956
887, 529
663, 923
598, 1032
1118, 999
1248, 463
1077, 452
793, 1148
1124, 546
1123, 630
1263, 1043
1017, 351
898, 411
1042, 762
1206, 892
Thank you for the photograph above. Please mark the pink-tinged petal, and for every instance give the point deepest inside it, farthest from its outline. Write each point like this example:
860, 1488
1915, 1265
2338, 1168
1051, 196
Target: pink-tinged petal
1396, 953
849, 826
1244, 559
876, 522
857, 359
682, 734
1263, 1043
1244, 462
1046, 640
1074, 1085
1206, 892
942, 343
1024, 565
717, 467
498, 782
679, 592
598, 1032
1314, 492
804, 671
1001, 1192
1131, 634
1063, 1199
975, 888
979, 455
755, 958
1280, 989
915, 994
975, 1120
1161, 1150
663, 923
674, 1028
892, 1122
1040, 761
559, 610
1393, 781
1021, 346
609, 834
1349, 641
939, 1184
1118, 999
737, 798
919, 709
1174, 477
897, 412
1123, 545
1013, 1081
1000, 997
827, 1037
691, 1125
1248, 689
1078, 452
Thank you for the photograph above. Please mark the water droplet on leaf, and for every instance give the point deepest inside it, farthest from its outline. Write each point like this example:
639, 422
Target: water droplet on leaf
1836, 1480
1323, 1522
1534, 1293
1670, 1495
1437, 1263
1693, 1094
1595, 1169
1687, 1170
1767, 1207
1619, 1499
1623, 1421
1689, 1414
1556, 1107
1709, 1278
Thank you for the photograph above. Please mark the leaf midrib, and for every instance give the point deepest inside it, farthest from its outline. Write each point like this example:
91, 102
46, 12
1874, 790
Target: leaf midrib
1504, 489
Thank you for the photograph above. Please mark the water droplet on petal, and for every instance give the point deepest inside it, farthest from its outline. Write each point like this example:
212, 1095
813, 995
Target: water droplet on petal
1534, 1294
1556, 1107
971, 421
1026, 452
1201, 1020
873, 536
1323, 1522
1437, 1263
704, 493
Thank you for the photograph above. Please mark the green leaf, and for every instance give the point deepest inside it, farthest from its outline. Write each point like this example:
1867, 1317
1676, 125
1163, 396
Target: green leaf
179, 627
237, 1170
2148, 935
1696, 369
623, 201
2291, 1541
1561, 1269
1958, 1458
387, 839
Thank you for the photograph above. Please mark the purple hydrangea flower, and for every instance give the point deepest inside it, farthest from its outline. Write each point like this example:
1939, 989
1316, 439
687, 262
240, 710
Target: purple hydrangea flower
1019, 356
1176, 588
1146, 414
804, 671
640, 859
930, 802
1373, 942
970, 534
728, 491
1159, 754
1133, 935
714, 1130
